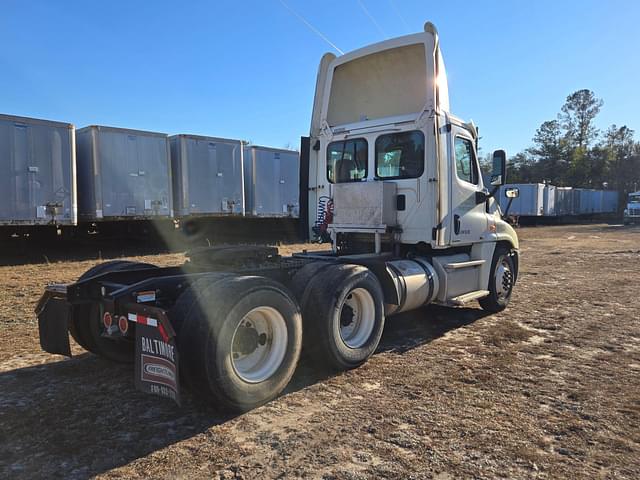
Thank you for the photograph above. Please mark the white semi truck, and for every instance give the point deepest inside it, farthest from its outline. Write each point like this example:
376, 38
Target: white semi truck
632, 210
394, 182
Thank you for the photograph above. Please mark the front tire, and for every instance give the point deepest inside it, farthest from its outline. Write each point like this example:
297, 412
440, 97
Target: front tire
501, 280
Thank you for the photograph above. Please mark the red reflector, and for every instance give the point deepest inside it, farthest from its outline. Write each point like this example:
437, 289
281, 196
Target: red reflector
123, 324
107, 320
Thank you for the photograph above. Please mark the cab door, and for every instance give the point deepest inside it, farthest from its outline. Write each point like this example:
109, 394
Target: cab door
468, 218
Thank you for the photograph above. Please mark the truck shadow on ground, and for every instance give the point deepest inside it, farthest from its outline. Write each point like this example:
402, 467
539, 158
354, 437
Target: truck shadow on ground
401, 333
80, 417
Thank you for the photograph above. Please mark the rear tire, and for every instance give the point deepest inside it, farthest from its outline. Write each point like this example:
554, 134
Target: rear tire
501, 281
86, 324
192, 351
241, 340
343, 312
304, 276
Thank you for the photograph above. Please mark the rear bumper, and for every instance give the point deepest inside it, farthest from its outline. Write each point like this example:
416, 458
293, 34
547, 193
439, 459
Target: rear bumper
156, 355
54, 317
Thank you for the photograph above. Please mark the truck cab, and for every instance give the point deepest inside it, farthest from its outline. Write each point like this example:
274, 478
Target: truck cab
393, 170
632, 210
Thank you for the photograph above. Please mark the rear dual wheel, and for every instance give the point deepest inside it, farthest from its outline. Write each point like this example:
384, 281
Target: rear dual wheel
259, 344
240, 339
343, 312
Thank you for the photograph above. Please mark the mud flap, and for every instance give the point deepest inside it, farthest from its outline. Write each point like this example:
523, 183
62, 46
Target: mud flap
53, 325
156, 369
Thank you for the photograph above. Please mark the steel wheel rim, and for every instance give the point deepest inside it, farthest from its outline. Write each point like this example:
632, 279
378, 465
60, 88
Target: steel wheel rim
257, 363
503, 278
357, 318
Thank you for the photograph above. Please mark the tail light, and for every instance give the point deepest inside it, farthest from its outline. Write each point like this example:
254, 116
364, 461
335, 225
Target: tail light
107, 320
123, 324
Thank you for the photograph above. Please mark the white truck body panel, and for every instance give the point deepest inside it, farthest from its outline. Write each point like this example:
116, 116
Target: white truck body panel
408, 104
530, 202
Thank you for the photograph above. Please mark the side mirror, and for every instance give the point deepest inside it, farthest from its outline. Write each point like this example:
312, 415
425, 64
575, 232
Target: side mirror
512, 192
499, 171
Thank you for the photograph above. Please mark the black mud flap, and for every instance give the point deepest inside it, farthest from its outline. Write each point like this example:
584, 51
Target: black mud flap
156, 368
53, 324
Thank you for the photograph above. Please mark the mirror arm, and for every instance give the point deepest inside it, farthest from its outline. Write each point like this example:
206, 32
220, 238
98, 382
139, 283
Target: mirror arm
506, 212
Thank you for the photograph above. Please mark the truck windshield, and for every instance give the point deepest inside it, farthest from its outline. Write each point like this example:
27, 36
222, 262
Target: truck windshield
634, 198
347, 161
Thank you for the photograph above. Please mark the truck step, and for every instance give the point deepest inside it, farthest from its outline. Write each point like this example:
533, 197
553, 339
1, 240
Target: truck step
467, 297
467, 264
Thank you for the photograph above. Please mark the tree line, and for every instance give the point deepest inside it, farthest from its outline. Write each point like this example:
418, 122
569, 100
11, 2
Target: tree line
570, 151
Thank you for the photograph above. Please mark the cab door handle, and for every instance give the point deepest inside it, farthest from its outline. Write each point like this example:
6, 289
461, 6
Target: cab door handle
456, 224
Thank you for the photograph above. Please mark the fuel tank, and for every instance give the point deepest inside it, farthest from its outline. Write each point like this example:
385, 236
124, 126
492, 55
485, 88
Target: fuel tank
416, 282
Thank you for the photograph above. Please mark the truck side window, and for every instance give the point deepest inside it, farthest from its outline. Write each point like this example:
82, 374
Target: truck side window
400, 155
465, 160
347, 161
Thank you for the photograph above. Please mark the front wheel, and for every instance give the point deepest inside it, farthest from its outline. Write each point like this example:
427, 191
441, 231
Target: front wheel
501, 280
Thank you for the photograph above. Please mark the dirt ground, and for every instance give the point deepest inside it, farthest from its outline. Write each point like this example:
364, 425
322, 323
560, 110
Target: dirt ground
550, 388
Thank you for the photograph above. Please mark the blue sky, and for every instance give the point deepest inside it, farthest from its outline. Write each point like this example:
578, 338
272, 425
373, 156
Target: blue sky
246, 69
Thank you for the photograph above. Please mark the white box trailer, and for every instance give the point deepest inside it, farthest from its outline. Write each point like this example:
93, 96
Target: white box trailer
123, 174
530, 203
549, 201
271, 182
610, 201
565, 204
37, 172
207, 175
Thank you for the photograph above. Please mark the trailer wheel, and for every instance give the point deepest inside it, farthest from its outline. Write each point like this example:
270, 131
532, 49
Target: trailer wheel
343, 312
86, 324
501, 281
241, 340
